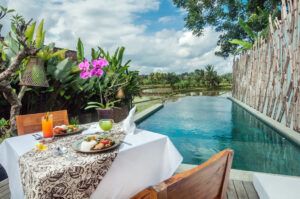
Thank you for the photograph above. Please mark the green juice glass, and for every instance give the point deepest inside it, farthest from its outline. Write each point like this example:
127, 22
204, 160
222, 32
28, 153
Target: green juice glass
106, 124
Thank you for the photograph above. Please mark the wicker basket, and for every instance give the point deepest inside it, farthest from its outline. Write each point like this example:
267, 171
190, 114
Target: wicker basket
34, 73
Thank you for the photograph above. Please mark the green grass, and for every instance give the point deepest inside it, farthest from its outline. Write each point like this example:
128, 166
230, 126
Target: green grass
144, 105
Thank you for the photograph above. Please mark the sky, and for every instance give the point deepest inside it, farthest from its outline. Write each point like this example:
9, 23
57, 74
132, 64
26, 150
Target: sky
152, 31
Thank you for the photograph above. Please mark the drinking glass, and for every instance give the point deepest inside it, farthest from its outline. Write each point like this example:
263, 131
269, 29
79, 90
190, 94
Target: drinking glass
47, 126
106, 124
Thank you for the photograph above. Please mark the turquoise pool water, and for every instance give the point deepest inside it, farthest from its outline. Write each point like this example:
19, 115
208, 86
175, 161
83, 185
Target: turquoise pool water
202, 126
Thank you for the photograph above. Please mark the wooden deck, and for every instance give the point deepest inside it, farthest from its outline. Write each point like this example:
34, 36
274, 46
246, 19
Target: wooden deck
241, 190
237, 190
4, 190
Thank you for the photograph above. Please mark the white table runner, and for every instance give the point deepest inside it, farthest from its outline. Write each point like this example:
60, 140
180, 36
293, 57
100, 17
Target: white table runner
150, 159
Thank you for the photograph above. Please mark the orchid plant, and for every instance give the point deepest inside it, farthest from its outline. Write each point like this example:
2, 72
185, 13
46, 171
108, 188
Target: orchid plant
94, 68
108, 73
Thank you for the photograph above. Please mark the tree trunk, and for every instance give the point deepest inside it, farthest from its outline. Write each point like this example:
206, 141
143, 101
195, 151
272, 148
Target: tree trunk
15, 101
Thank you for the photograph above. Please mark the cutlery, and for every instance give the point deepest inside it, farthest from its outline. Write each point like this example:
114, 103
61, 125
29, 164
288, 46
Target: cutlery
126, 143
37, 136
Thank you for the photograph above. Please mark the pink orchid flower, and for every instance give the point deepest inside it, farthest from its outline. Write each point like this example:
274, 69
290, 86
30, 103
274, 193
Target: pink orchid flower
100, 62
85, 74
84, 65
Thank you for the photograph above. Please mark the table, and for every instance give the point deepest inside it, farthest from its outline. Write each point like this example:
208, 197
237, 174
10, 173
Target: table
150, 159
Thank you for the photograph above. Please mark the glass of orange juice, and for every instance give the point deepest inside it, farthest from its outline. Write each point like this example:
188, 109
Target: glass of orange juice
47, 126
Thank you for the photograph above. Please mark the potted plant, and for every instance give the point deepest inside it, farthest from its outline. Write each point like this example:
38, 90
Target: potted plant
99, 75
115, 84
105, 111
34, 72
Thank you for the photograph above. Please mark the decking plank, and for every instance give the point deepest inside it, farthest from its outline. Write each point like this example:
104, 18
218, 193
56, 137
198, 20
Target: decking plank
240, 190
4, 193
7, 196
3, 182
236, 190
231, 193
3, 188
250, 190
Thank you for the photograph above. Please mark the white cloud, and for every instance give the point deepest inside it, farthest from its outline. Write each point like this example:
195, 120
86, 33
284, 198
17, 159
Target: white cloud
166, 19
113, 23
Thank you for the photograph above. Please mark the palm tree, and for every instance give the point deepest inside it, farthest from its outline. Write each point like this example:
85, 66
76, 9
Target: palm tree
211, 76
172, 78
199, 76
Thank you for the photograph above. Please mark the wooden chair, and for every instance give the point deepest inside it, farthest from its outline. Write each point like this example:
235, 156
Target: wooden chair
206, 181
33, 122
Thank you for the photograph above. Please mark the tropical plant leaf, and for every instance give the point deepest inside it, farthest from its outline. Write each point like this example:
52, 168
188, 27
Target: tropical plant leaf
247, 29
245, 44
95, 103
40, 35
112, 104
43, 38
62, 69
120, 55
12, 46
30, 32
80, 50
60, 54
91, 106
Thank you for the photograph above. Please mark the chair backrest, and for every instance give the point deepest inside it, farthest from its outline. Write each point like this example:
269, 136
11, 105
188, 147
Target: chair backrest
33, 122
206, 181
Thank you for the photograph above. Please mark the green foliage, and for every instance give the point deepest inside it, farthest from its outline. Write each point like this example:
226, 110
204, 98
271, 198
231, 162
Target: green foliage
3, 12
74, 121
224, 17
4, 126
116, 76
93, 105
47, 52
211, 76
40, 35
30, 32
244, 44
171, 78
199, 78
226, 78
247, 29
80, 50
4, 123
4, 136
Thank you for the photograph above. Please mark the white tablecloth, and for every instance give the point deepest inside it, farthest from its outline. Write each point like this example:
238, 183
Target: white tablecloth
150, 159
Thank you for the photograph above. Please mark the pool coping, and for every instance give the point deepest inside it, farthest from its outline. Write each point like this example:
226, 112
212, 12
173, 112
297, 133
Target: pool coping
280, 128
141, 116
235, 174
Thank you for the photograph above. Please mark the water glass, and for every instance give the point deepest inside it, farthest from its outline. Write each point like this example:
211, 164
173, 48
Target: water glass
106, 124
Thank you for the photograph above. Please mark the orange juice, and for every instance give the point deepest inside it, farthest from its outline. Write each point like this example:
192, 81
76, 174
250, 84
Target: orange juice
47, 126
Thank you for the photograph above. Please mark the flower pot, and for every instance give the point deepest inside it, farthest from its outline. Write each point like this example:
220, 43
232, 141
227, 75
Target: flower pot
105, 113
116, 113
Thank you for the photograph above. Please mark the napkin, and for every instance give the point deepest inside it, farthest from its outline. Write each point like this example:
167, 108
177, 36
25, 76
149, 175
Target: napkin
93, 129
128, 124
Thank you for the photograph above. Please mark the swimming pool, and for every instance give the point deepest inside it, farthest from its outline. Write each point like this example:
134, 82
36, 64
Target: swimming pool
202, 126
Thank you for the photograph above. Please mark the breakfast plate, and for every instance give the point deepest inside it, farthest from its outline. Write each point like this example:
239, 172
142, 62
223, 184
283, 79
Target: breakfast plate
66, 130
95, 144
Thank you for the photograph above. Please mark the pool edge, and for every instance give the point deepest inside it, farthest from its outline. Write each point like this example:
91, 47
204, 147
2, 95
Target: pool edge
140, 117
236, 174
280, 128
